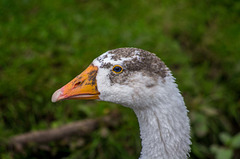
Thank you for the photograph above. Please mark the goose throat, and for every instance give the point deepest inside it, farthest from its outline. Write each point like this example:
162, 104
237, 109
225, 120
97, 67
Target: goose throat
163, 135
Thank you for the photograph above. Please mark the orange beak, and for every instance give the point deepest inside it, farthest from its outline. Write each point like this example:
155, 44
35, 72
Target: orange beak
84, 86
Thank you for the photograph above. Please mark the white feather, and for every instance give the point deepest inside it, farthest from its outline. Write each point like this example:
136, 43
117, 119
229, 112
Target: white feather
161, 111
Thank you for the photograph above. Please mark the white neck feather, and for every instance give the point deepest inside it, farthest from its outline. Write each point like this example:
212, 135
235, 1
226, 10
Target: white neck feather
164, 128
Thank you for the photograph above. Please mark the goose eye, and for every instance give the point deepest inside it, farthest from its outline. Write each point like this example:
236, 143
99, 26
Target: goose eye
117, 69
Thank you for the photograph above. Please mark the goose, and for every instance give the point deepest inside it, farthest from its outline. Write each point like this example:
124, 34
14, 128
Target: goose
140, 80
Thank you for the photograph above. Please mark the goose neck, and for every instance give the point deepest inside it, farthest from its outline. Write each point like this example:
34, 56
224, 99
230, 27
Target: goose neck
164, 133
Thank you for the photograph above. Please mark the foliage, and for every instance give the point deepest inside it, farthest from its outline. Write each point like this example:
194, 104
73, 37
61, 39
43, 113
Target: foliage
44, 44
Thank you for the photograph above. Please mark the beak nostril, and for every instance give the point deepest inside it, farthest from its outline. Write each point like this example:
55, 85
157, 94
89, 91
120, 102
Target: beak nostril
77, 84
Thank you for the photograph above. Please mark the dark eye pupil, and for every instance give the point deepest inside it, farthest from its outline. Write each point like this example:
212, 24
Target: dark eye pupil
117, 69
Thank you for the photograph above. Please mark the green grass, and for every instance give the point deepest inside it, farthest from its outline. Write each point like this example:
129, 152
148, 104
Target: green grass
44, 44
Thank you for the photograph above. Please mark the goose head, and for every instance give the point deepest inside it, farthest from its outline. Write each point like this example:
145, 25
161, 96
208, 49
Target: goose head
138, 79
126, 76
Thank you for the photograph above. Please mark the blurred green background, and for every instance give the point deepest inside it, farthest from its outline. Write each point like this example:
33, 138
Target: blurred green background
44, 44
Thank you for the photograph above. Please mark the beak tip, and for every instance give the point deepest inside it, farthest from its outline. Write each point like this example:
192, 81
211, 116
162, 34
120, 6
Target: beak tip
56, 95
